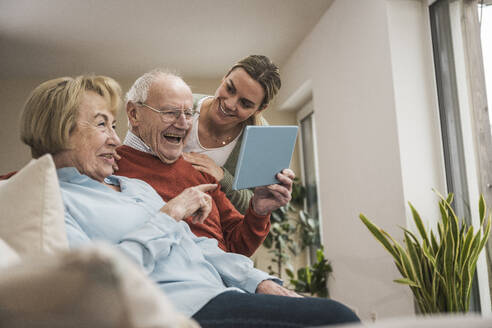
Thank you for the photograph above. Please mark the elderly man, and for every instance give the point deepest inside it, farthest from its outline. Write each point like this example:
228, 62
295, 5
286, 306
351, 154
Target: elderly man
160, 111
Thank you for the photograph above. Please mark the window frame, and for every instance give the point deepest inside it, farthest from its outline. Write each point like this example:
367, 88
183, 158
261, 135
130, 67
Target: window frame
464, 117
304, 111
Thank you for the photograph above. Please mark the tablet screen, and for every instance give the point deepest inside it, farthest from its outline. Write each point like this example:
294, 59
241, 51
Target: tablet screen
265, 151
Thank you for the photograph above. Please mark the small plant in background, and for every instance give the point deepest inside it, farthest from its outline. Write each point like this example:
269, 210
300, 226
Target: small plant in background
308, 228
287, 222
298, 193
438, 269
313, 279
281, 240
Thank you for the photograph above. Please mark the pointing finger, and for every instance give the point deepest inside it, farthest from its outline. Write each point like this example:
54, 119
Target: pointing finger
206, 187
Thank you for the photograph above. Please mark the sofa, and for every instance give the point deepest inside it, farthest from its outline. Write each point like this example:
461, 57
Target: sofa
44, 284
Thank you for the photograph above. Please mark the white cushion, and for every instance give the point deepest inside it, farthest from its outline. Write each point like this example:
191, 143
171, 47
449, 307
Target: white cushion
8, 256
32, 217
94, 286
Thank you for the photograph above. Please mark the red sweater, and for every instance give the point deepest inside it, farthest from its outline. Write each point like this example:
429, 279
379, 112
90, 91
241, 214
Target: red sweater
234, 232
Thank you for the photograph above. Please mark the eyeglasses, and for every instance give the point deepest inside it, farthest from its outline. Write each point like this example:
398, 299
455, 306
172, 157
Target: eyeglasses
172, 114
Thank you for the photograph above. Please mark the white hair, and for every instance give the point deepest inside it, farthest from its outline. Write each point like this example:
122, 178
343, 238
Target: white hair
140, 89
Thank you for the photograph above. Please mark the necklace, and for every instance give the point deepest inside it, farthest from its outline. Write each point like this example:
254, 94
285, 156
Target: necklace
225, 141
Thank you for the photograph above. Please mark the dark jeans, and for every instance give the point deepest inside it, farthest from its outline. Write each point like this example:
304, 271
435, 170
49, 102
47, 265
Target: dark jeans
234, 309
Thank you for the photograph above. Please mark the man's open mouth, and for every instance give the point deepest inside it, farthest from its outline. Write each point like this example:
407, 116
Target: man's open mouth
173, 138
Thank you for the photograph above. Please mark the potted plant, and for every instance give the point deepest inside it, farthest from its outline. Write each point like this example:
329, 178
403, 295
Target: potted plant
313, 280
281, 239
289, 223
439, 269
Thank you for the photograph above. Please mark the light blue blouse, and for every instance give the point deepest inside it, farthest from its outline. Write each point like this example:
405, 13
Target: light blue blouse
190, 270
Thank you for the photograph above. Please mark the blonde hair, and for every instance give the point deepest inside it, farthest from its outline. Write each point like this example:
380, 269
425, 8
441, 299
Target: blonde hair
50, 112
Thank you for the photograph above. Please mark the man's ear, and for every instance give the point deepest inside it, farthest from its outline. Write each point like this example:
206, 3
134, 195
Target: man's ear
132, 113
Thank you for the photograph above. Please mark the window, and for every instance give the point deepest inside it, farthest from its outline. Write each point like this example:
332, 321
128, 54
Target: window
464, 118
309, 164
485, 20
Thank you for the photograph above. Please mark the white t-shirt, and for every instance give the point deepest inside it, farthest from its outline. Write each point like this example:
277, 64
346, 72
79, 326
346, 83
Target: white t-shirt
220, 154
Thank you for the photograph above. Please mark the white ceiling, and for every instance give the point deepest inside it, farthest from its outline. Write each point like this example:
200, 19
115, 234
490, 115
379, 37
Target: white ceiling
124, 38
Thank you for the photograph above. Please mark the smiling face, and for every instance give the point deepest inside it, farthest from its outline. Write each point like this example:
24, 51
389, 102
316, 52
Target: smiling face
93, 140
238, 97
164, 138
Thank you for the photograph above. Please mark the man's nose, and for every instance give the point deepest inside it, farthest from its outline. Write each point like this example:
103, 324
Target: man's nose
182, 121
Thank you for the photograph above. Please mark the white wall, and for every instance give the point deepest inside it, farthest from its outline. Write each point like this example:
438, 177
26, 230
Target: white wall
370, 66
416, 107
13, 153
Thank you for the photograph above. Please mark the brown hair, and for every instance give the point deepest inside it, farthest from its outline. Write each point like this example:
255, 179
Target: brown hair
50, 112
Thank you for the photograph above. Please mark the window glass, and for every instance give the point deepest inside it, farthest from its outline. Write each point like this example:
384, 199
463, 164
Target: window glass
485, 18
309, 169
309, 166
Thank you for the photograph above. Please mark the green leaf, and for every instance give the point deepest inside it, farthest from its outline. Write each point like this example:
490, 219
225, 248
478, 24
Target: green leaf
448, 264
407, 265
377, 232
444, 216
449, 199
486, 235
481, 209
466, 249
419, 223
406, 281
416, 260
434, 244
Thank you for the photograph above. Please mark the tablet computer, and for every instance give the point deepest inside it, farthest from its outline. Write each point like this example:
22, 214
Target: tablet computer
265, 151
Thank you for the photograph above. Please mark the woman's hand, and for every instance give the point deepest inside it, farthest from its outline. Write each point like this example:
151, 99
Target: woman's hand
272, 288
268, 198
193, 201
205, 164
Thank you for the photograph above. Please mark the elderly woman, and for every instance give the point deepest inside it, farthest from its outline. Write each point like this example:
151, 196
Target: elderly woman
215, 139
73, 119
